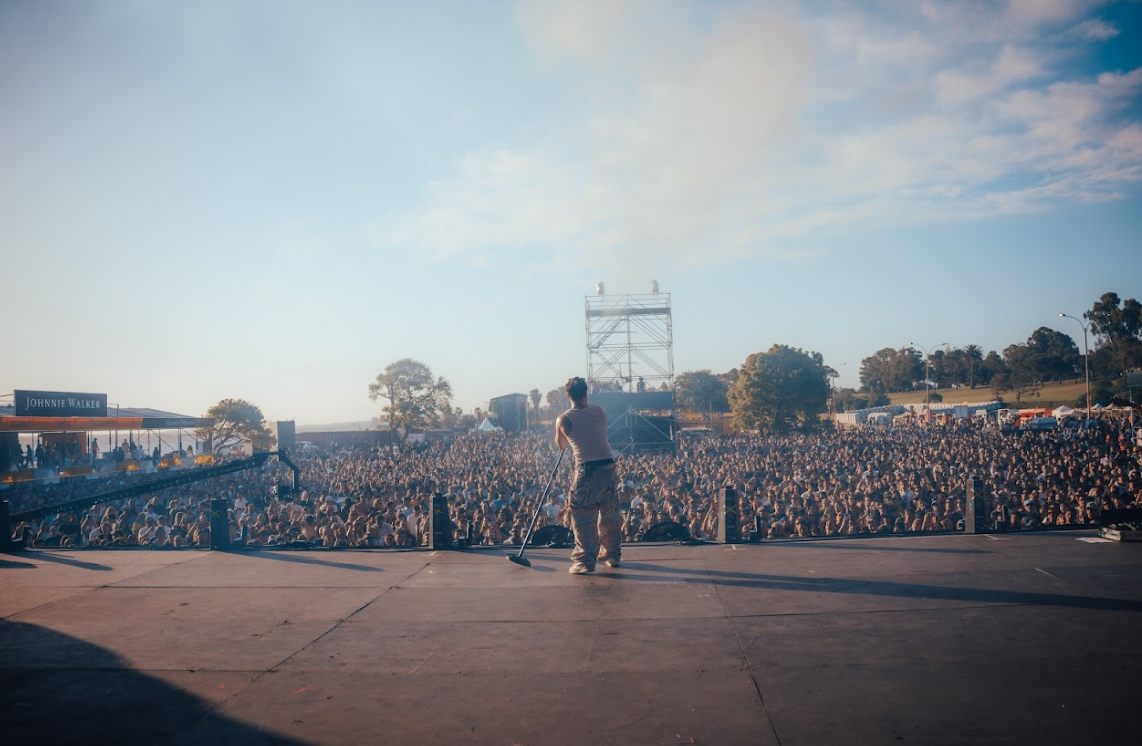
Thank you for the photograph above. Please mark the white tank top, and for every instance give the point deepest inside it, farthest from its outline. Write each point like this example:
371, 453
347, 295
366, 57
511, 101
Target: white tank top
589, 434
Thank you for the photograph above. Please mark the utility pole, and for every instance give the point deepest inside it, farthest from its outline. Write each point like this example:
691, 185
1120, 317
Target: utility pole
927, 380
1086, 357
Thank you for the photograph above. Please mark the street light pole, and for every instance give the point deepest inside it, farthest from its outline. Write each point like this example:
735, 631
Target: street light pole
1086, 358
927, 381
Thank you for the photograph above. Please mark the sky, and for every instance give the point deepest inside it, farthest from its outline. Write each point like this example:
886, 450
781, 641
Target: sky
273, 200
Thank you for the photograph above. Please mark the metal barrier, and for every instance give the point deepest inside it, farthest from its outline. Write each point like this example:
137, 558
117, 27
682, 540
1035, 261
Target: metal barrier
210, 472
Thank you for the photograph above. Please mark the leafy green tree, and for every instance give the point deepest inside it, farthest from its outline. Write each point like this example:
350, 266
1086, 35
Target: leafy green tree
874, 370
938, 369
701, 391
993, 367
237, 421
957, 366
730, 377
1022, 376
1117, 327
781, 389
1053, 356
949, 368
449, 417
556, 400
417, 399
878, 399
848, 400
536, 399
892, 370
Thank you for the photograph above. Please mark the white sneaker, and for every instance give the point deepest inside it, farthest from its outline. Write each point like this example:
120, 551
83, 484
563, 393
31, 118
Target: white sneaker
579, 568
612, 561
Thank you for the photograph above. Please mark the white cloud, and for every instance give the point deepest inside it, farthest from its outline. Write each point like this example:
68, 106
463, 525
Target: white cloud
1094, 30
711, 132
1012, 65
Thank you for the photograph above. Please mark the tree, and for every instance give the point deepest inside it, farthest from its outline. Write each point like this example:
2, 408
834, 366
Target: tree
878, 399
892, 370
848, 400
1117, 328
449, 417
1100, 393
781, 389
936, 370
557, 400
1052, 355
992, 368
974, 356
237, 421
417, 398
536, 398
1021, 376
949, 368
701, 391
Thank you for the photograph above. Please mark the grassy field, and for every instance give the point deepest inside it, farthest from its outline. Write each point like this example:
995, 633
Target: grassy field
1052, 394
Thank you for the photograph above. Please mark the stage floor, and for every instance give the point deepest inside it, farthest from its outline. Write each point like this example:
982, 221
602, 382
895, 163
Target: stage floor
1009, 639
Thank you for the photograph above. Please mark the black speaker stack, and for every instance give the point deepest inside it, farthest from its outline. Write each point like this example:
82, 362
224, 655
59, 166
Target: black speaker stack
729, 531
975, 511
439, 523
219, 524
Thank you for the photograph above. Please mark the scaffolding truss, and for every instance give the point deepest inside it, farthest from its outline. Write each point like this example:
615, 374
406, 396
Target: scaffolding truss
629, 337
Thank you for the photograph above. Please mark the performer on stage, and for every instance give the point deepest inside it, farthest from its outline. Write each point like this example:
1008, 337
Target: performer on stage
595, 515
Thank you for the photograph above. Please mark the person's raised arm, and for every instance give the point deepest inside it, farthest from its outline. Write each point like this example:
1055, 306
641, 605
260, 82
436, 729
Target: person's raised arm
562, 431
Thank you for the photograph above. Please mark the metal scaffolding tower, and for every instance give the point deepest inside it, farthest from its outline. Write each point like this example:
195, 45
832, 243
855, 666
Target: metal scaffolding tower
629, 337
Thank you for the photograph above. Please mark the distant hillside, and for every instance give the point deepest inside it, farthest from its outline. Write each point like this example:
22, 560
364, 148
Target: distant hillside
336, 427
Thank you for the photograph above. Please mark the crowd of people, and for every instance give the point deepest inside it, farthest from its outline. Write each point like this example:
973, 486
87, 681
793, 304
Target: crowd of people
63, 452
831, 483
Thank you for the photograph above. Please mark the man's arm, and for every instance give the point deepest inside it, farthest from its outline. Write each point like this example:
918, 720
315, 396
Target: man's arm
562, 431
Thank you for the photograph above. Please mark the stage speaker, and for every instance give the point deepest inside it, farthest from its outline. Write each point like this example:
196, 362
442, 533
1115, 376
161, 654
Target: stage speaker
439, 523
667, 531
556, 537
1002, 519
286, 434
6, 543
510, 412
975, 512
219, 524
728, 530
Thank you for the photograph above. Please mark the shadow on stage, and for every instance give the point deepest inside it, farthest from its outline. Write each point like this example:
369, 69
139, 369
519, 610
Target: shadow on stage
98, 698
643, 572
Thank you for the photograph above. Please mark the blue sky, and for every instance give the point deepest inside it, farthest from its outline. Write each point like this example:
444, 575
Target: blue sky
274, 200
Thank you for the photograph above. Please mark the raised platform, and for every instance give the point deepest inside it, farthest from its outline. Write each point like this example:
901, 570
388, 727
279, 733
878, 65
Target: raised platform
1009, 639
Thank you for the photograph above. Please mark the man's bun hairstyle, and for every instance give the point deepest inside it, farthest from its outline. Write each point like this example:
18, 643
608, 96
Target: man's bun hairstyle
576, 388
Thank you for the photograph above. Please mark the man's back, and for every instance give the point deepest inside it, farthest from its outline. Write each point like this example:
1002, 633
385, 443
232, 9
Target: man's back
588, 433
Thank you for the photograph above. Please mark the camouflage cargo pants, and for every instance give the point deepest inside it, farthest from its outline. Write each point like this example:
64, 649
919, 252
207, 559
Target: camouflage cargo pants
595, 515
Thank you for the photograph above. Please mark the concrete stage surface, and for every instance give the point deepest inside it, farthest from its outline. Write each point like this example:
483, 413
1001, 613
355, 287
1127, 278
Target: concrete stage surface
1010, 639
